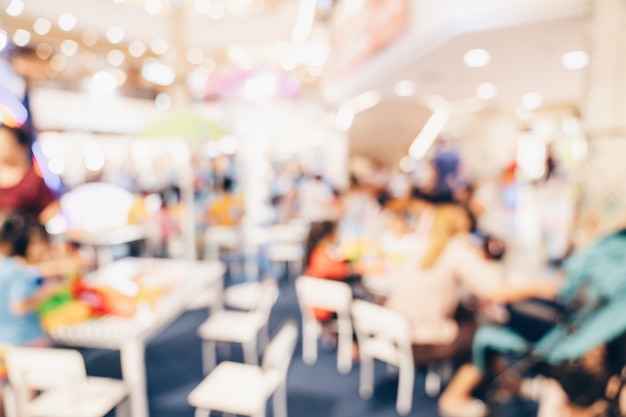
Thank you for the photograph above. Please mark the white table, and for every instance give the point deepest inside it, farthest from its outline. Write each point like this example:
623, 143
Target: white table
131, 335
101, 241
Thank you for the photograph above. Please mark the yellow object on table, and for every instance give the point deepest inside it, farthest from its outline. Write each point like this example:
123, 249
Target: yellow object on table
69, 314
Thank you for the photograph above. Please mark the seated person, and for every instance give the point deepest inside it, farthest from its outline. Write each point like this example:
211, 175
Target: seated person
429, 293
227, 209
597, 273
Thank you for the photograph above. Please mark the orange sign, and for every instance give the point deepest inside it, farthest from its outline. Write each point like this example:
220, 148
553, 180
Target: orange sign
365, 33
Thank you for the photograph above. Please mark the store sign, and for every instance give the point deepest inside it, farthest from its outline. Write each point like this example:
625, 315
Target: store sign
361, 35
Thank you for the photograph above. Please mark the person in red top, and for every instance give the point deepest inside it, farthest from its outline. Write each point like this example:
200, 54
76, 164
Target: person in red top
320, 259
22, 190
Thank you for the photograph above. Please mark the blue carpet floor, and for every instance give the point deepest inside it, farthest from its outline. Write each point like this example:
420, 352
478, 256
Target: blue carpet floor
173, 362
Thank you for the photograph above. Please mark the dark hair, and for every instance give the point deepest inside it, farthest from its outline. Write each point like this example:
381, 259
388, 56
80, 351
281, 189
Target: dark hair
21, 135
317, 232
14, 232
227, 184
494, 248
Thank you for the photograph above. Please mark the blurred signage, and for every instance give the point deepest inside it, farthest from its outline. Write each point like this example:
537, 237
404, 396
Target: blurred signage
362, 34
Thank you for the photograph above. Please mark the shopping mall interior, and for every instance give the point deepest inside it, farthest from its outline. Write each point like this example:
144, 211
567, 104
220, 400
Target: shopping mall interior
312, 208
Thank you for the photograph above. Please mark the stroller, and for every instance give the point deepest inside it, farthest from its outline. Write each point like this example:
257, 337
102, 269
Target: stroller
582, 387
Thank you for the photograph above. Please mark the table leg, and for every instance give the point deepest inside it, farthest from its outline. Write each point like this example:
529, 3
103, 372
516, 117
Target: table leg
134, 374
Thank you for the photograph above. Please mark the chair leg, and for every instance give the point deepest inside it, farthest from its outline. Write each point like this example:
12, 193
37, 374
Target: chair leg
202, 413
309, 341
10, 402
123, 409
280, 401
250, 353
432, 384
366, 376
209, 359
406, 379
344, 347
264, 337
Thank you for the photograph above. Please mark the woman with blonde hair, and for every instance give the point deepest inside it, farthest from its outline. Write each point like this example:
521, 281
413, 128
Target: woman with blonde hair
447, 267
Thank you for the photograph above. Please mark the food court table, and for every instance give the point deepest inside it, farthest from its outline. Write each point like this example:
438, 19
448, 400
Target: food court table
184, 280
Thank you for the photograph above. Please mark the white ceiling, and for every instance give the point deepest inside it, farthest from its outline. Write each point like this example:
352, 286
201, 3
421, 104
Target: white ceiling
523, 59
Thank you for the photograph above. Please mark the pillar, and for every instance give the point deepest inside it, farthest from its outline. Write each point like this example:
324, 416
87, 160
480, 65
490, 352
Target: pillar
603, 189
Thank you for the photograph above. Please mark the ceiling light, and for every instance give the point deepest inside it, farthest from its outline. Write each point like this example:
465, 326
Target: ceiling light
365, 101
237, 53
21, 37
69, 47
94, 157
202, 6
120, 76
15, 8
216, 11
486, 91
118, 1
163, 101
136, 48
58, 63
261, 87
197, 80
228, 145
195, 56
476, 58
56, 166
102, 82
90, 37
532, 100
575, 60
404, 88
304, 20
344, 118
3, 40
44, 51
158, 73
88, 59
42, 26
115, 34
159, 46
154, 7
431, 130
115, 57
67, 22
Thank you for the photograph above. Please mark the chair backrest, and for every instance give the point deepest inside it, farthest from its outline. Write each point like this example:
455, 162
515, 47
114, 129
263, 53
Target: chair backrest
372, 321
323, 293
222, 236
279, 351
44, 368
267, 299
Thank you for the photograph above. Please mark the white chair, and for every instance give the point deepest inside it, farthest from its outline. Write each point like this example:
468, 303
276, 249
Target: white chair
286, 254
246, 296
248, 328
335, 296
243, 389
217, 238
385, 335
60, 376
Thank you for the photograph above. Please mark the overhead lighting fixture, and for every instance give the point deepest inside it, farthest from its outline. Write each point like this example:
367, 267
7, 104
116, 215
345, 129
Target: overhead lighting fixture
575, 60
15, 8
102, 82
21, 37
56, 166
116, 57
429, 133
90, 37
365, 101
3, 40
532, 100
344, 118
88, 59
476, 58
158, 73
304, 20
69, 47
115, 34
154, 7
136, 48
58, 63
159, 46
195, 56
404, 88
67, 21
163, 101
42, 26
44, 51
486, 91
